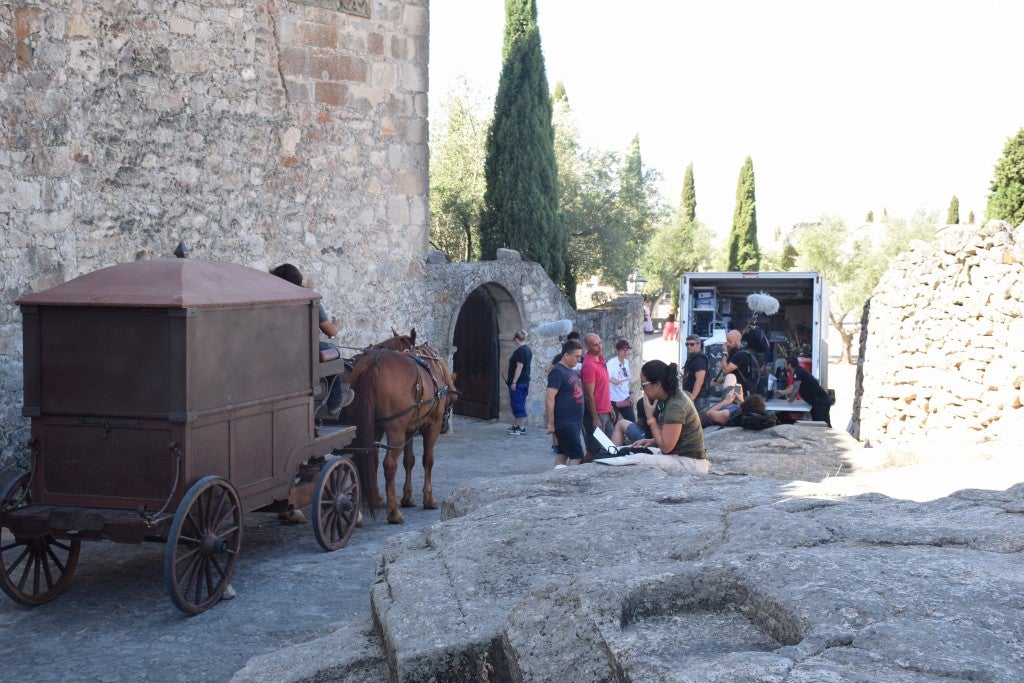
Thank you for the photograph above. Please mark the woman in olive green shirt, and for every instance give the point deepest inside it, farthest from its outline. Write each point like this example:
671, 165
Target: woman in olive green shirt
676, 431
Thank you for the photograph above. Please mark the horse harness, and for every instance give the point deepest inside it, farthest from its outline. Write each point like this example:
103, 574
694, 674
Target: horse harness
428, 360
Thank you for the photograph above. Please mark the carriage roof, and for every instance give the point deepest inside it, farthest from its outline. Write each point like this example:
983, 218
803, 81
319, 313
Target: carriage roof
171, 283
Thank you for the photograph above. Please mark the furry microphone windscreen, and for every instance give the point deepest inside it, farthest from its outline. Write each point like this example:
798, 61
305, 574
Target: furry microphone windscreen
558, 328
761, 302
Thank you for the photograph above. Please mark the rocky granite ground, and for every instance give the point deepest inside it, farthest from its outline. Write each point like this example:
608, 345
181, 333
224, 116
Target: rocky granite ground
782, 565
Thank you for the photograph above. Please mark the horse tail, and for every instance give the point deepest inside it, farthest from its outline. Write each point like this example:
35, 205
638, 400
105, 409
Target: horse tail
363, 407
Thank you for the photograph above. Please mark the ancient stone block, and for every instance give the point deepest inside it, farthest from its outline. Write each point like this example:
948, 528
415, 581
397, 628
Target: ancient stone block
329, 94
316, 35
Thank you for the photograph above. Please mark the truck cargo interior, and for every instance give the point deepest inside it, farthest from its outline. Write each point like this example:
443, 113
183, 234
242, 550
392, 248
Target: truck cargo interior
711, 304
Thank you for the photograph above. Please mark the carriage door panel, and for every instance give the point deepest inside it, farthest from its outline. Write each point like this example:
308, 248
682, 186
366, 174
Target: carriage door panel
476, 357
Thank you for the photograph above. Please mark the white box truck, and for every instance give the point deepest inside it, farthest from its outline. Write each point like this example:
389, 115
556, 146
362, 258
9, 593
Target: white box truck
711, 304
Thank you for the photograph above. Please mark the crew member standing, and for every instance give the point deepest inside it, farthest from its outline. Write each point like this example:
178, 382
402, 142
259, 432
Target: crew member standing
594, 375
518, 381
564, 402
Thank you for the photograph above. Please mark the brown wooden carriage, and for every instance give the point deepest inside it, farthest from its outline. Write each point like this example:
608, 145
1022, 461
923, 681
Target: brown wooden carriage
168, 397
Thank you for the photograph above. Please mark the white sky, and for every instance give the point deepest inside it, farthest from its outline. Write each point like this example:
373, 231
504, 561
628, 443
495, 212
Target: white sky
845, 107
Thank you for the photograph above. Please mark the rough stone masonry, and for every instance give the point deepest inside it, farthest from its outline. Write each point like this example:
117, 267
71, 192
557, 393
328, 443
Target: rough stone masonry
255, 131
943, 360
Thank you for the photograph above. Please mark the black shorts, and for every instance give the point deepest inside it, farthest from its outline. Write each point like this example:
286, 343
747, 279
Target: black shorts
569, 443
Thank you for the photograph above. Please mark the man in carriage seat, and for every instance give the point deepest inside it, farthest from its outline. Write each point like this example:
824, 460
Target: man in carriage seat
339, 395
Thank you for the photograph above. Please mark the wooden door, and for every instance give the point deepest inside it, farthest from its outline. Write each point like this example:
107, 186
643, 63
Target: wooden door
476, 357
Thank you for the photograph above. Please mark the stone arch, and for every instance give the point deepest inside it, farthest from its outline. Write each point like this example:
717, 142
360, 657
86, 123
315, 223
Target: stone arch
481, 341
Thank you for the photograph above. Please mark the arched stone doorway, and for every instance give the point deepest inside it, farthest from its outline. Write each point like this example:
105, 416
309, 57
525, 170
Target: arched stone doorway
482, 338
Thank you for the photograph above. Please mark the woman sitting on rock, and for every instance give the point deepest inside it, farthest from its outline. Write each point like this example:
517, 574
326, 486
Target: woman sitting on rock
676, 430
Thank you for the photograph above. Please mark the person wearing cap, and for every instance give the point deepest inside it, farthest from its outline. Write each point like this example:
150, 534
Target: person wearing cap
619, 383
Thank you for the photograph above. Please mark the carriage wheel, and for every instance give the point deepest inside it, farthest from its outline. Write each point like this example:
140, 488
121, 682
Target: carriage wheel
336, 503
33, 571
202, 545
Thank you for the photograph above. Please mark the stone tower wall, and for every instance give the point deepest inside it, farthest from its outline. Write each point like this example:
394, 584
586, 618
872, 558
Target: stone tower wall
943, 360
255, 131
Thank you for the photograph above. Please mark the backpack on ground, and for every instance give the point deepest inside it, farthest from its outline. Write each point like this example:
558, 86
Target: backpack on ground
753, 421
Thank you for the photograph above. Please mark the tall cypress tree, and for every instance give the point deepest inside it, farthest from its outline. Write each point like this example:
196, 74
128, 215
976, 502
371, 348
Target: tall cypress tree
744, 253
1006, 202
637, 204
521, 200
688, 200
953, 215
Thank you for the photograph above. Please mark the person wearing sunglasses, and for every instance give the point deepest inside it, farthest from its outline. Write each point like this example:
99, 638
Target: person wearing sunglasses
676, 431
619, 379
696, 382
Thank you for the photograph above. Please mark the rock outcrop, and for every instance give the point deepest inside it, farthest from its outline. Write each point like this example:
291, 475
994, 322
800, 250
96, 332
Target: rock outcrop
600, 573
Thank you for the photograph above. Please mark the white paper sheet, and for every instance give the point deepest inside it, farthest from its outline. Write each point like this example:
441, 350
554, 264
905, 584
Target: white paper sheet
603, 439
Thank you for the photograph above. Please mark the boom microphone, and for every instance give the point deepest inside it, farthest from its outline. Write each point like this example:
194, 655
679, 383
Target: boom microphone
558, 328
761, 302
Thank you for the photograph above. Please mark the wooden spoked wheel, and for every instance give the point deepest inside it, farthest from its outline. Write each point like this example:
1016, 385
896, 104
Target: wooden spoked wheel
202, 545
336, 503
34, 570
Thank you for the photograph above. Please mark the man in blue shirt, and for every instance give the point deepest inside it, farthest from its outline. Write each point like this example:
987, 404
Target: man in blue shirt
564, 402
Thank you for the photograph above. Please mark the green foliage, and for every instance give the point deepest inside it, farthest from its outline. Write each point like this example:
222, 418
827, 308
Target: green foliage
1006, 201
457, 176
744, 253
640, 204
606, 204
953, 215
871, 217
680, 245
521, 198
970, 218
900, 233
852, 269
688, 200
787, 259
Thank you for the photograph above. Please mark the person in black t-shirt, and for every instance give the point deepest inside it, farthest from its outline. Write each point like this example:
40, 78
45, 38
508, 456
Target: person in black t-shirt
740, 362
696, 372
518, 381
810, 390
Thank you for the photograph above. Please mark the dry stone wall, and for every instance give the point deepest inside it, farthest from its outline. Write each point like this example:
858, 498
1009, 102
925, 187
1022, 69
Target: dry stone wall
943, 360
256, 131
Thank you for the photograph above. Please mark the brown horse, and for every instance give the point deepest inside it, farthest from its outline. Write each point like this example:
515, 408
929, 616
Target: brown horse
399, 393
396, 342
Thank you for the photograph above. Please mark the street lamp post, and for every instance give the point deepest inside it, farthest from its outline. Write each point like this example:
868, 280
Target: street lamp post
635, 282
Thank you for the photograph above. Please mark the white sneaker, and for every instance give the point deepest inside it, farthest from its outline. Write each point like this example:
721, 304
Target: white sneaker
561, 467
229, 593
